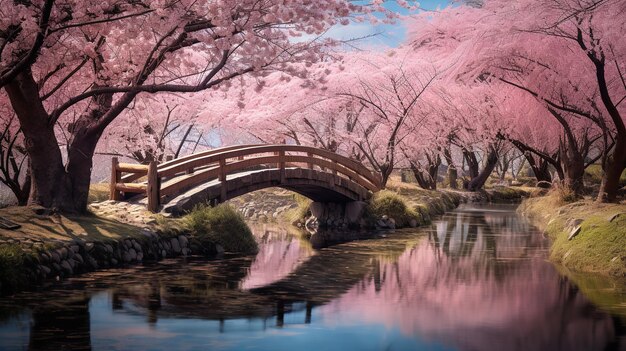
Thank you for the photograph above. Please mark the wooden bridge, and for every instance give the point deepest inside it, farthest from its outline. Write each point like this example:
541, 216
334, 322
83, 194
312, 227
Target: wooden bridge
221, 174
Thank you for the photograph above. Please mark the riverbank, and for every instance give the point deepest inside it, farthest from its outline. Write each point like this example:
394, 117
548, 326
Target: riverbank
50, 247
586, 236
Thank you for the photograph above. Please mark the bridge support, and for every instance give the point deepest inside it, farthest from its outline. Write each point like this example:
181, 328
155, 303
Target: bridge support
332, 214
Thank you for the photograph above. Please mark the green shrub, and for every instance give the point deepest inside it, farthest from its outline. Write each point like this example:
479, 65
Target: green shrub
220, 225
393, 205
13, 275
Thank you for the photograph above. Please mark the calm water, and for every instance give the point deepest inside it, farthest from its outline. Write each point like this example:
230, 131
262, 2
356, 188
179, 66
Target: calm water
476, 280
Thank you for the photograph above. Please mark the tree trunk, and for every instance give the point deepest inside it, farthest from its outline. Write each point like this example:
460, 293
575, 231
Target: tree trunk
573, 164
539, 167
385, 173
53, 185
48, 179
613, 171
452, 173
479, 181
472, 163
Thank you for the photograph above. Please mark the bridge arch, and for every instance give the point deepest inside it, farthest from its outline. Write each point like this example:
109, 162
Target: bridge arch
221, 174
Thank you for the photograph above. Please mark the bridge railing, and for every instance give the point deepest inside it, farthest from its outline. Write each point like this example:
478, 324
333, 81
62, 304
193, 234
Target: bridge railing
170, 178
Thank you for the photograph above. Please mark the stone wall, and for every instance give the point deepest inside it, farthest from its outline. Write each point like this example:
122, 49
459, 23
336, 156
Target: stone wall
79, 256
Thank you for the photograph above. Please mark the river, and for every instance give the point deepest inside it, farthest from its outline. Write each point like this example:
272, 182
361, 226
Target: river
477, 279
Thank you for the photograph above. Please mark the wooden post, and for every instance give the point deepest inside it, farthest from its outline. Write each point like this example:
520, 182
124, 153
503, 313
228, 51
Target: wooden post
334, 172
310, 155
115, 178
153, 188
281, 165
169, 158
222, 178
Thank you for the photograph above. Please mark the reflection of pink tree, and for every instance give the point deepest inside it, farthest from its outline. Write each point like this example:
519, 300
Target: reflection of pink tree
482, 292
279, 254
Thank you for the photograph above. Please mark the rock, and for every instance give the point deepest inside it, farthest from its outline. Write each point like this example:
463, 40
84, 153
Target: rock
89, 246
219, 249
114, 262
186, 251
573, 233
163, 253
78, 258
249, 212
385, 217
544, 184
44, 258
63, 252
614, 217
139, 257
184, 242
56, 258
413, 223
75, 248
57, 268
573, 223
175, 245
133, 254
92, 262
126, 257
66, 267
45, 270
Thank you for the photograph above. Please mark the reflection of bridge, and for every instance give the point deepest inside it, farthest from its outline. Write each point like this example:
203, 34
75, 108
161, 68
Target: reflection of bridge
221, 174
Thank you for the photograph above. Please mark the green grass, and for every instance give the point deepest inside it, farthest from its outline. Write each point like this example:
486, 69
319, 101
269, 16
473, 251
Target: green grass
13, 275
220, 225
600, 247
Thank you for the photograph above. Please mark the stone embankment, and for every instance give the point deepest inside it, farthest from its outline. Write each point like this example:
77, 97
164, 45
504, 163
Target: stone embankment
265, 205
79, 256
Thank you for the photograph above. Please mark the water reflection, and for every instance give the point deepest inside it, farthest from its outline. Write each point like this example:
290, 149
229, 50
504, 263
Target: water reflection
476, 280
281, 250
480, 284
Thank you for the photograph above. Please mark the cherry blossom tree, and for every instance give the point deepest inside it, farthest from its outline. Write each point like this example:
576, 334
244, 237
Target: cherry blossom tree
72, 67
565, 54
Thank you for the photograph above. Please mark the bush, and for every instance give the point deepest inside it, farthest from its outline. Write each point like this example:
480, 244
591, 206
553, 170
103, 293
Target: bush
393, 205
563, 194
13, 275
220, 225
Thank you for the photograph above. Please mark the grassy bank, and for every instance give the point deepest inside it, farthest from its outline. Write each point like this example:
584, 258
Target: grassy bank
586, 236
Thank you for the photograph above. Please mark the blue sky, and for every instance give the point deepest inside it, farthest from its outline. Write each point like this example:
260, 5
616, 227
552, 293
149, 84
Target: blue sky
391, 35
